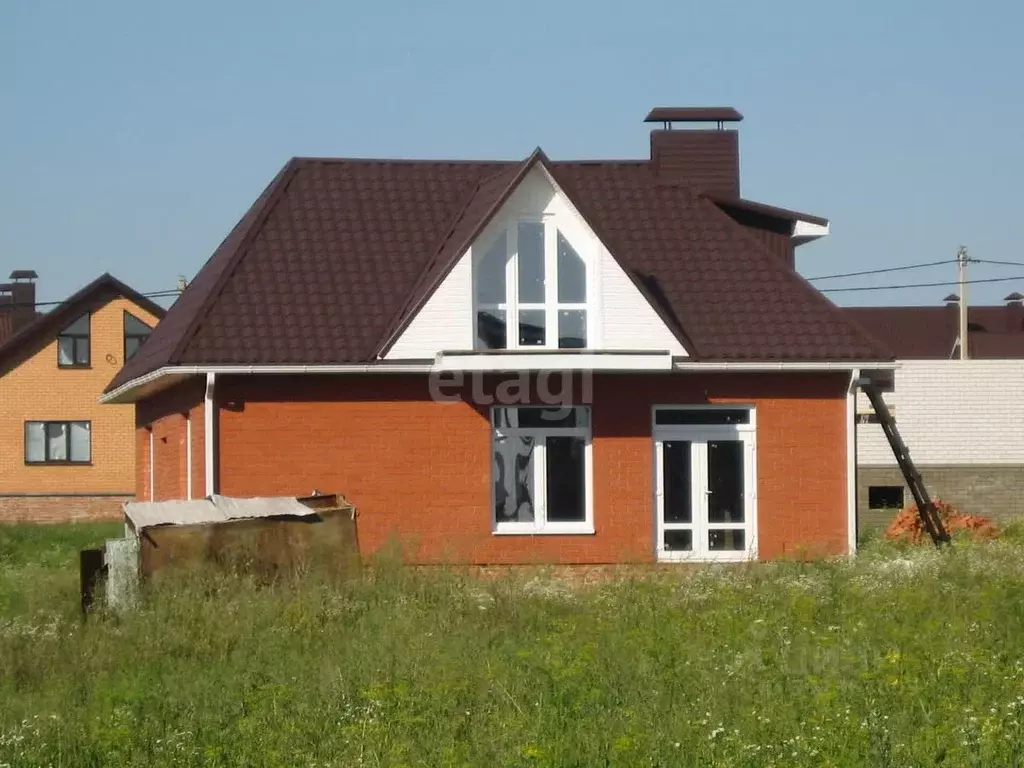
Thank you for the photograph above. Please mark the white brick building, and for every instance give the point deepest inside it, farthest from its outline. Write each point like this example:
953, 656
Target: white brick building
962, 420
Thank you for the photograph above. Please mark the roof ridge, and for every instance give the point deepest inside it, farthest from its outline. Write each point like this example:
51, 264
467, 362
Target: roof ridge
464, 161
274, 192
397, 161
792, 274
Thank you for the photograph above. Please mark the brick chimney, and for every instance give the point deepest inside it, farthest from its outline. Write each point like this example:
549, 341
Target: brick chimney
705, 158
18, 298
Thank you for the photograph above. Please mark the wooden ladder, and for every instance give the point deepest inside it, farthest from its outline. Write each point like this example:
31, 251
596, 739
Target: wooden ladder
925, 506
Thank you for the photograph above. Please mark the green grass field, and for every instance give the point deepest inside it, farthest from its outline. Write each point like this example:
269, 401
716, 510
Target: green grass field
896, 658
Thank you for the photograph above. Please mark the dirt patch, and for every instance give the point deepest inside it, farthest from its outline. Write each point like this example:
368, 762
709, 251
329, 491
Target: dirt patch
907, 525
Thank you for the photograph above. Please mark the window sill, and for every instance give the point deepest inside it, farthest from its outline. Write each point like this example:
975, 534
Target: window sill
706, 558
550, 531
74, 367
58, 463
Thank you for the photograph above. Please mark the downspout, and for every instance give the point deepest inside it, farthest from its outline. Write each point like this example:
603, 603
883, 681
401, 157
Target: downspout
851, 462
188, 456
210, 434
152, 492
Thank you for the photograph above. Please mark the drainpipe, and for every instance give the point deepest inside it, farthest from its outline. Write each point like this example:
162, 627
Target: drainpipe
851, 462
210, 434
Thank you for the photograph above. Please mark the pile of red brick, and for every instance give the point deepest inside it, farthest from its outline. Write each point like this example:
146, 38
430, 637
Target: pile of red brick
907, 525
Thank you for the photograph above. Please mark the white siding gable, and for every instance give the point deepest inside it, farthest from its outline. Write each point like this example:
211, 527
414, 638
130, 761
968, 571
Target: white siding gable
620, 317
951, 412
444, 322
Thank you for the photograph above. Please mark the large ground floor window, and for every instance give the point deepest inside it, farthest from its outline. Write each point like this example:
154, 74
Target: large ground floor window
705, 497
542, 470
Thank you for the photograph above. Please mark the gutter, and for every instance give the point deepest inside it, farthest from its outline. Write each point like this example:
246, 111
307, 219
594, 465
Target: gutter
785, 366
431, 366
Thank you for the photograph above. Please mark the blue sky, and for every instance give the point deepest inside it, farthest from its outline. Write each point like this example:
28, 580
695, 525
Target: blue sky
135, 134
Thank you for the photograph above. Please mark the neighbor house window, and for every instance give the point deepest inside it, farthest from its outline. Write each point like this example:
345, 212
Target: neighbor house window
530, 289
885, 497
58, 442
73, 344
542, 470
135, 332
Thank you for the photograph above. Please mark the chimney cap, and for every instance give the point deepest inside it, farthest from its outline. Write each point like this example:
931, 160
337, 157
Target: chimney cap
952, 298
24, 274
1014, 297
693, 115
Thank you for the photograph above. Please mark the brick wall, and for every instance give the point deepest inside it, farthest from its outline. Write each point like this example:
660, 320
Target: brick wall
167, 418
61, 509
950, 413
420, 470
35, 389
992, 491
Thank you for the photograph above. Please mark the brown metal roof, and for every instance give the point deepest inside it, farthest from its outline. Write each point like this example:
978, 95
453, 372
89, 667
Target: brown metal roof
930, 333
336, 256
6, 324
693, 115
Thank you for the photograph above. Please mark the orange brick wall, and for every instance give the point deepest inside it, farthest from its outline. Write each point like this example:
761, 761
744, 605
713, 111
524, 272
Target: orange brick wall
61, 509
34, 388
420, 470
166, 416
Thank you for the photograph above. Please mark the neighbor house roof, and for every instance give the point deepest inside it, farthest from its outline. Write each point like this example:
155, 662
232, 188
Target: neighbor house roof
100, 290
6, 325
930, 333
335, 257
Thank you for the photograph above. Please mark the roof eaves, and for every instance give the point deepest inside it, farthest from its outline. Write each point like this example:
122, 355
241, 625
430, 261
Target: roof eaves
768, 210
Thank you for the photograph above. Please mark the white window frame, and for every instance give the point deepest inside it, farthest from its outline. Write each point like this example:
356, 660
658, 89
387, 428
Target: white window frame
540, 523
551, 305
699, 435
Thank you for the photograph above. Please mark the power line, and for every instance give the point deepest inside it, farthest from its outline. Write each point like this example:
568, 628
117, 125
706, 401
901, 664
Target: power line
887, 269
1001, 263
921, 285
150, 295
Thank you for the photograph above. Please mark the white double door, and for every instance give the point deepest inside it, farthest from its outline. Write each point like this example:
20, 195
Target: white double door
705, 493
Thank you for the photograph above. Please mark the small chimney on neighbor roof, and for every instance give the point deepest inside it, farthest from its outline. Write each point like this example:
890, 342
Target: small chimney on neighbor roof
707, 159
952, 300
19, 298
1014, 312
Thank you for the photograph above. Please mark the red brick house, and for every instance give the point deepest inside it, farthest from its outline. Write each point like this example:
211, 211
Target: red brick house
518, 361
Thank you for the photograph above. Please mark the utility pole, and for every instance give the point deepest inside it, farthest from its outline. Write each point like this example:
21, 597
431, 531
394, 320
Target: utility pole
961, 260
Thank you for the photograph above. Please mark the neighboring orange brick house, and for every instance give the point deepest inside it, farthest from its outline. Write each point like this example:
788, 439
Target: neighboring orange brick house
63, 455
515, 362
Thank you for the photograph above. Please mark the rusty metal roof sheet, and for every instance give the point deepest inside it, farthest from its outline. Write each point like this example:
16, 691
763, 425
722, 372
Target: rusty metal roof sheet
214, 509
